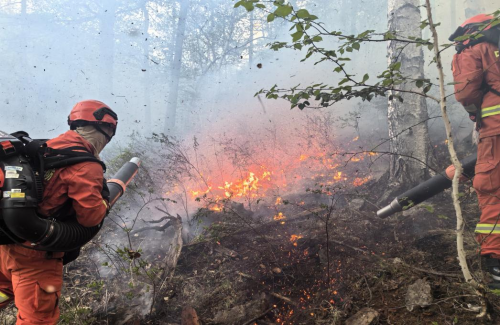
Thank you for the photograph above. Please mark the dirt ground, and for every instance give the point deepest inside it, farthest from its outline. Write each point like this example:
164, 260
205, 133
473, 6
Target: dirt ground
288, 271
248, 268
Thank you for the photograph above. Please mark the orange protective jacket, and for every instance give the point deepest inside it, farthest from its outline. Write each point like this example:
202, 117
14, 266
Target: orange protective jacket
473, 69
82, 183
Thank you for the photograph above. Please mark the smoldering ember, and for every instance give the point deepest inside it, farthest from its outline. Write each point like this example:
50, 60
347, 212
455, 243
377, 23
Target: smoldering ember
249, 162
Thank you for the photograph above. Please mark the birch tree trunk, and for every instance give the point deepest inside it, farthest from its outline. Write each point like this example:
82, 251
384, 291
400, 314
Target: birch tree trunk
176, 66
405, 171
145, 68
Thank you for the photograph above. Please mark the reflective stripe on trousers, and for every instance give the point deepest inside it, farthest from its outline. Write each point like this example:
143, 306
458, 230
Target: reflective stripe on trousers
486, 228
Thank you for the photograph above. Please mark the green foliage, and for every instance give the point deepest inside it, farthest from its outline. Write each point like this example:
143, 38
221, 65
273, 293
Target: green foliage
96, 286
307, 34
429, 208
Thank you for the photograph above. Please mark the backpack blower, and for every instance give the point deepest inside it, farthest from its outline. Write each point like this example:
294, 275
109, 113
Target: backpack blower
22, 164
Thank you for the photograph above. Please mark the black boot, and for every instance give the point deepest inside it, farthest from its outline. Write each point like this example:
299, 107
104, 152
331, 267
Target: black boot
493, 267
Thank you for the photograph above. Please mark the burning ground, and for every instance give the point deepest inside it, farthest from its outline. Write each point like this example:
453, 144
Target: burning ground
273, 234
254, 232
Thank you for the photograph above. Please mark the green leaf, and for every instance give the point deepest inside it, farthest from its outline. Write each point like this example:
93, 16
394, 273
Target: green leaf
355, 46
283, 10
270, 18
303, 13
396, 66
419, 83
261, 6
343, 81
442, 216
239, 3
427, 88
365, 77
248, 5
317, 38
297, 36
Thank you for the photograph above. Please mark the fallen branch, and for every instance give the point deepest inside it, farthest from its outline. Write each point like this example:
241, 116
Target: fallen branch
349, 246
161, 219
285, 299
157, 228
248, 276
451, 275
369, 290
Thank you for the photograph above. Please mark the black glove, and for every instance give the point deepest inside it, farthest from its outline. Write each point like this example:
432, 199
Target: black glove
105, 190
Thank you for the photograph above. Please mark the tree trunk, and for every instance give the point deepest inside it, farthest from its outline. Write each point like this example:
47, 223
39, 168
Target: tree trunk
250, 46
106, 49
471, 8
24, 69
453, 15
411, 149
145, 68
176, 66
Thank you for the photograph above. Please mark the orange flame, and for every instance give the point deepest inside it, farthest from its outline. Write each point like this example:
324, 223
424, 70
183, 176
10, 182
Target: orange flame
358, 181
279, 216
294, 239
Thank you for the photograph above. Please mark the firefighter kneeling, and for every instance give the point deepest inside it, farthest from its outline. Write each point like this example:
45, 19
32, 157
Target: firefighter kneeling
33, 278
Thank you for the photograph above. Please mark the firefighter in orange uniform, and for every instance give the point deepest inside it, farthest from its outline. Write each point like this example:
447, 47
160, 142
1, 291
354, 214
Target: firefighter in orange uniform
476, 72
31, 278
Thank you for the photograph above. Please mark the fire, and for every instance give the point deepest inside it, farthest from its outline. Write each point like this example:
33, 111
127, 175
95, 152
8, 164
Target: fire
216, 208
358, 181
247, 187
294, 239
268, 179
279, 216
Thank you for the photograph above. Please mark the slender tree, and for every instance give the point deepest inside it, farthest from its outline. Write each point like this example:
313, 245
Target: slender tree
175, 71
404, 18
251, 40
145, 67
107, 18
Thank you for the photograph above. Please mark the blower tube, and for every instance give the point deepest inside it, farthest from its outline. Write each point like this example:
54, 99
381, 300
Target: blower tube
426, 190
19, 214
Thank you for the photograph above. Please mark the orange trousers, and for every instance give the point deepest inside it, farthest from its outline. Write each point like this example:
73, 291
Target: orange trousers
487, 186
33, 281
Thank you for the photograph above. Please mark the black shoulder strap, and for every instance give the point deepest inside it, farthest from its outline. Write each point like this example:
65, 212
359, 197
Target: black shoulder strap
59, 158
490, 89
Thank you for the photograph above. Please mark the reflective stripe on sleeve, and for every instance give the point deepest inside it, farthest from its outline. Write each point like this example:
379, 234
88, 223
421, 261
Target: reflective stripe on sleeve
488, 111
486, 228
